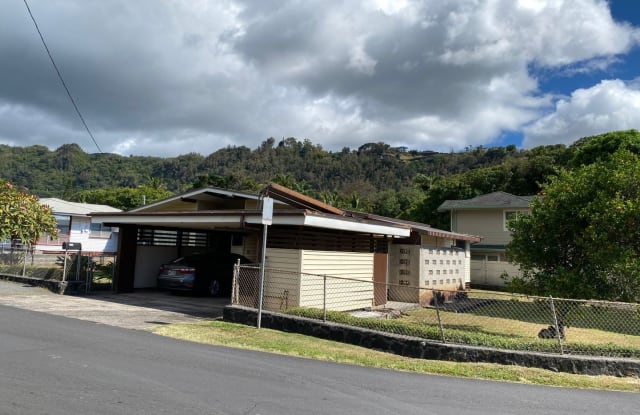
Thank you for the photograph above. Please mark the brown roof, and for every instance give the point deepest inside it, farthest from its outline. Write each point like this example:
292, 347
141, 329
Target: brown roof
299, 200
418, 227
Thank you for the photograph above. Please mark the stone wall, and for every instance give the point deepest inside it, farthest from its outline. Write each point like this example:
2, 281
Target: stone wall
58, 287
427, 349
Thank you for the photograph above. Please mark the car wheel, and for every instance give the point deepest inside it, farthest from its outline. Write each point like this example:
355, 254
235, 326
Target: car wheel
214, 288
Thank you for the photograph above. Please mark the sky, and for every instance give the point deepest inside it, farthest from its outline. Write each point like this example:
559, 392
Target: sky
164, 78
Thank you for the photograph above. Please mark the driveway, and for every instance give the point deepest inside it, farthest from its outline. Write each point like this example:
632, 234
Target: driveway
141, 310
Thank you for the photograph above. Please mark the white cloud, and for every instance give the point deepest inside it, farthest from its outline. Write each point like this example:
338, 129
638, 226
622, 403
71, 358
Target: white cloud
165, 78
608, 106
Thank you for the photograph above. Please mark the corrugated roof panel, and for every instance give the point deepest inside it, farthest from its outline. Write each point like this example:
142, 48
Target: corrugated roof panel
75, 208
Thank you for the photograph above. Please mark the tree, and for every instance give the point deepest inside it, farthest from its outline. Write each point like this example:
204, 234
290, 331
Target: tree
124, 198
588, 150
582, 239
22, 217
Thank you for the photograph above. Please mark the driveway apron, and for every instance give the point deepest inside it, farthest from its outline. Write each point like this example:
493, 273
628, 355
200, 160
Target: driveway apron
141, 310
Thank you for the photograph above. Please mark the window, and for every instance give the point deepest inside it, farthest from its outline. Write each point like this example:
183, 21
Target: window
511, 215
63, 223
486, 257
98, 230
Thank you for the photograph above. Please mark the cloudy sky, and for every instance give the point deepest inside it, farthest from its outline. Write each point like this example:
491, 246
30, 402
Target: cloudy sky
164, 78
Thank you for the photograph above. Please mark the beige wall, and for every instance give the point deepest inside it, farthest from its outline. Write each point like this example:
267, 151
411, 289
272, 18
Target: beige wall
298, 279
404, 273
488, 223
282, 286
351, 294
249, 248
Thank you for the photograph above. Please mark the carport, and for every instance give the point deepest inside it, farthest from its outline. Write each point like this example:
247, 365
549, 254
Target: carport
230, 221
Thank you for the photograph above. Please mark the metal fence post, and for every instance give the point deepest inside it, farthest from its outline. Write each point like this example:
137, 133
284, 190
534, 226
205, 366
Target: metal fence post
555, 323
324, 298
24, 263
435, 302
234, 283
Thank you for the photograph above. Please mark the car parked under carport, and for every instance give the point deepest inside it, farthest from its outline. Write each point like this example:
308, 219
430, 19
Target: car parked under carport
205, 273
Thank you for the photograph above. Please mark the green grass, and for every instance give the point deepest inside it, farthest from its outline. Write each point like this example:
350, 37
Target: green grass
495, 326
266, 340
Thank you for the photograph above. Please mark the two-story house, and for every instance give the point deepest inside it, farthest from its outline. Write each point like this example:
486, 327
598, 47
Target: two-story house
488, 216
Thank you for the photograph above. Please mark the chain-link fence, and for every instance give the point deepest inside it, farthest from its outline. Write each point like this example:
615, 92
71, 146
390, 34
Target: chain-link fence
474, 317
93, 272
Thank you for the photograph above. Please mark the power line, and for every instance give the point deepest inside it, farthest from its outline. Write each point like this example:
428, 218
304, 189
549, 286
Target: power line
61, 79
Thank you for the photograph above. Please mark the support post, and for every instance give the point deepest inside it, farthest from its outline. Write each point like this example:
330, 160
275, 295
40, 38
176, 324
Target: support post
555, 324
324, 298
436, 303
261, 290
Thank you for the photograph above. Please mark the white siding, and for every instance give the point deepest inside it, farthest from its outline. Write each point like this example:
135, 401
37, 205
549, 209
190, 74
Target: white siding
81, 232
354, 291
148, 261
489, 273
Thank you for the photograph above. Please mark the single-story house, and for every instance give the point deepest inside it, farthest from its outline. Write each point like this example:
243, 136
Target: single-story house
306, 237
488, 215
75, 225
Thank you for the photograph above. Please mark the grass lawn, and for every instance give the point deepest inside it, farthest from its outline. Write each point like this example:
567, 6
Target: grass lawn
266, 340
502, 325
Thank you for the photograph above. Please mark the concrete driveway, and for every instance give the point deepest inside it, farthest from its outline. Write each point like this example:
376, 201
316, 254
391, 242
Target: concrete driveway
142, 309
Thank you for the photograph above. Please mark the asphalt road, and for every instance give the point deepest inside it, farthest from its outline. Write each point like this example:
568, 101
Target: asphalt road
57, 365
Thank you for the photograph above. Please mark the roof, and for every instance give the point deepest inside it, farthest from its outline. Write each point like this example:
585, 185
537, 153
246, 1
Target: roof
199, 194
420, 227
300, 210
493, 200
293, 198
239, 219
60, 206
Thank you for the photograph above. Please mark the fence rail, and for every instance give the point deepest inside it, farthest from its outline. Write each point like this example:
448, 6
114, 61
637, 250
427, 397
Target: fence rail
474, 317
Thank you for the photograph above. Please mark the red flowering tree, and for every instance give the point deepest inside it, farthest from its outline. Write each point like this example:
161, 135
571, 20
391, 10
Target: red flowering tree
22, 216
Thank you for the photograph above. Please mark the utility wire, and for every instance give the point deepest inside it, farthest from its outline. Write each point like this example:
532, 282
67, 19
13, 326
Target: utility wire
61, 79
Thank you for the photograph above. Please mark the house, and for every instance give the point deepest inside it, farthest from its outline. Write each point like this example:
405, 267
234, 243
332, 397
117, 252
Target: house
488, 215
75, 225
306, 237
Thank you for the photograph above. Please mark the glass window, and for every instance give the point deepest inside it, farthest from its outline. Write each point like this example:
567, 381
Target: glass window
63, 223
511, 215
99, 230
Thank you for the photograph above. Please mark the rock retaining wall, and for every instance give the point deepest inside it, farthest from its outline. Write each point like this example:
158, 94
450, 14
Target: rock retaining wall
58, 287
427, 349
